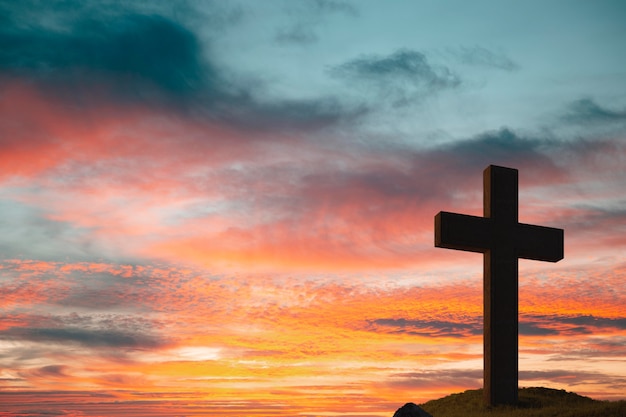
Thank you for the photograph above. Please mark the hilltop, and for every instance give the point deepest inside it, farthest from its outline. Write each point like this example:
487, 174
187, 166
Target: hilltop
533, 402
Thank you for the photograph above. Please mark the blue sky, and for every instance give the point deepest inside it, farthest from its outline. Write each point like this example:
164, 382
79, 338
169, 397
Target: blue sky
504, 57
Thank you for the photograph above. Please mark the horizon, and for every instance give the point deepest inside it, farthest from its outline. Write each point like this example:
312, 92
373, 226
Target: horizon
211, 207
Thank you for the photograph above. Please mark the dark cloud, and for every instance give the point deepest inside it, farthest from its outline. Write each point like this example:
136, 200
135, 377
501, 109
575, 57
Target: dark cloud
85, 54
441, 378
51, 371
552, 374
138, 52
599, 322
434, 328
420, 172
60, 393
502, 147
534, 329
528, 326
305, 114
402, 77
483, 57
572, 377
84, 337
535, 325
404, 64
586, 110
137, 55
33, 412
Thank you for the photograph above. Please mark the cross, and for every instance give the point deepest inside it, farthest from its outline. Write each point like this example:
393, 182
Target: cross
502, 240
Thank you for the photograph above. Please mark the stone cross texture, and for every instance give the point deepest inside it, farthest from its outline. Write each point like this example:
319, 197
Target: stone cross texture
502, 240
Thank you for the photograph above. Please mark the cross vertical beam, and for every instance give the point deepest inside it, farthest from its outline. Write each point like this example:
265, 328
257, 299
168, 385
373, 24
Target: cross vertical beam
500, 289
502, 240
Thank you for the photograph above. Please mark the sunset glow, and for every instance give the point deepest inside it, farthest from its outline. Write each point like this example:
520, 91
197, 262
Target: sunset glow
226, 208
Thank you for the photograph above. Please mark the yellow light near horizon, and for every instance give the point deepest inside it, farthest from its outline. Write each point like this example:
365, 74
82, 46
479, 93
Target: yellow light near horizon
197, 353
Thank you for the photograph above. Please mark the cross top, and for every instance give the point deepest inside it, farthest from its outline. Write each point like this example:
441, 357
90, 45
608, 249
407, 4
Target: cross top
502, 240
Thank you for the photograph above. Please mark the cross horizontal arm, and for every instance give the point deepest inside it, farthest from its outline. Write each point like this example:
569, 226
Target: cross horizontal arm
463, 232
539, 243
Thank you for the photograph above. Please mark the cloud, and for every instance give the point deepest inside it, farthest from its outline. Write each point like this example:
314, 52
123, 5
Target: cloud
504, 147
191, 161
401, 77
33, 412
483, 57
84, 337
587, 111
319, 199
533, 329
537, 325
430, 328
307, 17
290, 115
134, 54
529, 325
51, 371
572, 377
321, 211
148, 57
315, 203
406, 65
597, 322
100, 326
27, 230
469, 378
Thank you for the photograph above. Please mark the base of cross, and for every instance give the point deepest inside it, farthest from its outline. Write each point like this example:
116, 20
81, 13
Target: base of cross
502, 240
500, 393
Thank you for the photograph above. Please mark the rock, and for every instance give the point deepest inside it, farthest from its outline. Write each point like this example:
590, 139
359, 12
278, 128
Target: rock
410, 410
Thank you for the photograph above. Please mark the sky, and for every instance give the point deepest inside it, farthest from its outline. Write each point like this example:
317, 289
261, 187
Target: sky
227, 207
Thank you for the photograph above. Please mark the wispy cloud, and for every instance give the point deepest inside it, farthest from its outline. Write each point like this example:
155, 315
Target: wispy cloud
587, 110
484, 57
403, 77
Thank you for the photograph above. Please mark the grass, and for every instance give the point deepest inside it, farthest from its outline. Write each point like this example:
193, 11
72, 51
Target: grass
533, 402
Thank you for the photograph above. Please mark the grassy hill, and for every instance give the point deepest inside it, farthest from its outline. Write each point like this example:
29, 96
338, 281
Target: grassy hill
533, 402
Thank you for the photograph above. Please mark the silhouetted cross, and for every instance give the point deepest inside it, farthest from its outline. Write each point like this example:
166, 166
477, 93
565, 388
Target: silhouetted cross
502, 240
